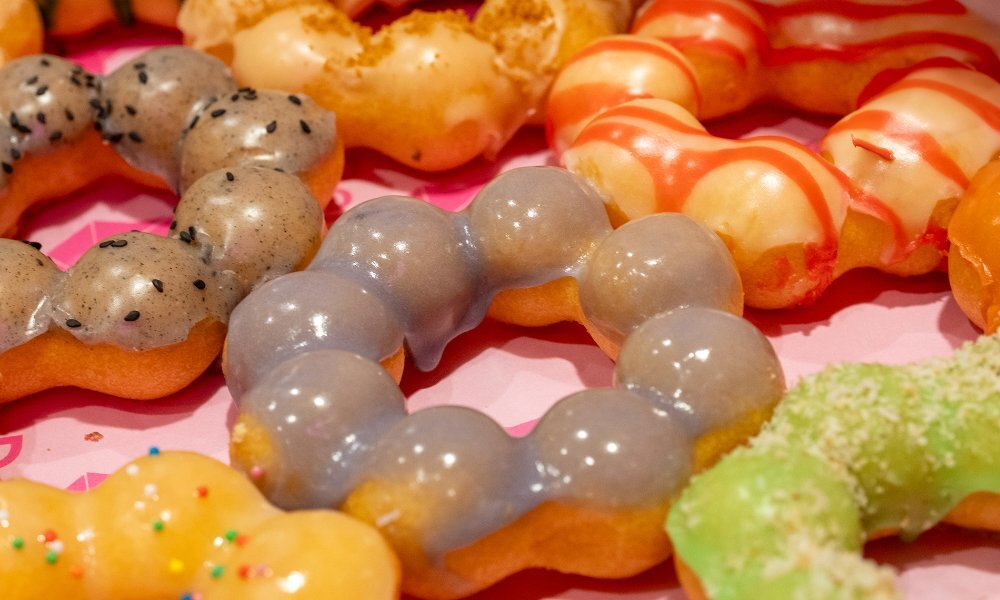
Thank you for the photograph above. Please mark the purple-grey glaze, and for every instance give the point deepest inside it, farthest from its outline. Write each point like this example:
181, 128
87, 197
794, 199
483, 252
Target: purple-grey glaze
707, 367
326, 409
302, 312
27, 278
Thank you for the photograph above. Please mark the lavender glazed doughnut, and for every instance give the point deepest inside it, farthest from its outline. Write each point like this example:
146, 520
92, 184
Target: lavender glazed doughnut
140, 316
322, 423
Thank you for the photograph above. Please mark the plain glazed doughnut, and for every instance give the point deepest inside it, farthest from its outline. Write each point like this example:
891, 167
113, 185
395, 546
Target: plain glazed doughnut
880, 195
855, 452
181, 525
973, 261
463, 503
431, 90
140, 316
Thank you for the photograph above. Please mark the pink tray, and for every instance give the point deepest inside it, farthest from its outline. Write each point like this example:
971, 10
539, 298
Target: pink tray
72, 438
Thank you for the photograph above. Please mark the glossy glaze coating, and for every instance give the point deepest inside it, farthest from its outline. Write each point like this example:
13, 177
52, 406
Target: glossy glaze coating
654, 264
46, 100
419, 259
304, 312
534, 225
148, 102
253, 222
681, 358
24, 298
445, 477
264, 128
141, 291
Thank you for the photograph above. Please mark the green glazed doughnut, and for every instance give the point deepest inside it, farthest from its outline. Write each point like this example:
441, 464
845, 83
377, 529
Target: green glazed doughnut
855, 452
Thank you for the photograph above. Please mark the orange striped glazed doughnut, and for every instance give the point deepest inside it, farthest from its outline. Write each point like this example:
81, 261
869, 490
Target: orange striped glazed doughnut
793, 220
181, 525
432, 91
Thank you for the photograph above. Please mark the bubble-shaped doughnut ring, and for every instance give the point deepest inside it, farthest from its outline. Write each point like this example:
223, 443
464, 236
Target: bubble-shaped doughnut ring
463, 503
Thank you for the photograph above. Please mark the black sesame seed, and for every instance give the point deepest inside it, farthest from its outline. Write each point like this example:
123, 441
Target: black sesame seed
105, 244
14, 122
45, 62
130, 109
75, 81
69, 115
295, 100
272, 126
230, 176
7, 167
191, 231
199, 284
194, 121
35, 245
40, 117
173, 225
133, 315
73, 323
139, 66
15, 154
98, 125
94, 102
23, 128
55, 136
41, 91
114, 138
234, 97
158, 285
185, 237
135, 137
305, 127
143, 78
32, 80
119, 243
245, 89
218, 113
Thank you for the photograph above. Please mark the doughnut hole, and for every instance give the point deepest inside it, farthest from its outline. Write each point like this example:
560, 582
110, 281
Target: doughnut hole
439, 480
651, 265
302, 312
257, 223
319, 413
140, 291
418, 259
535, 224
270, 129
148, 102
714, 372
611, 448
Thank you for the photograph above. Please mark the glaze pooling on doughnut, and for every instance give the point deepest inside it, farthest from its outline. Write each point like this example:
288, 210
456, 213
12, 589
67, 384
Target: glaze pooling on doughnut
854, 451
25, 306
149, 101
47, 101
238, 226
448, 478
185, 526
264, 128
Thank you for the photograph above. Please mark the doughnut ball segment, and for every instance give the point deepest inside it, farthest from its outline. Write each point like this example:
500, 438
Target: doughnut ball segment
974, 262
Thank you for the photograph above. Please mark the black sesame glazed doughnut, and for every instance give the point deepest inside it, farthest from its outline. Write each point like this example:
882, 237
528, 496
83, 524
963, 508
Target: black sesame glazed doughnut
139, 315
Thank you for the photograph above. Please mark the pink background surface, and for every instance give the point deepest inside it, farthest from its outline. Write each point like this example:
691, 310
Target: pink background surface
513, 374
